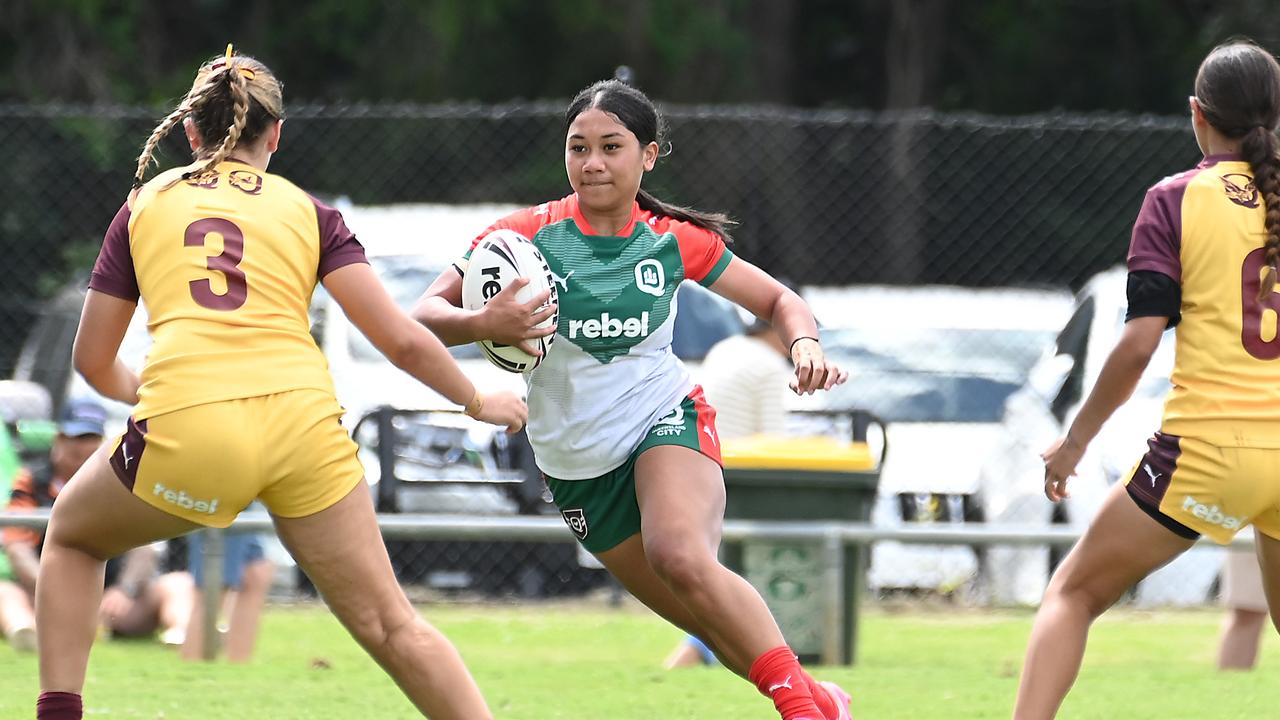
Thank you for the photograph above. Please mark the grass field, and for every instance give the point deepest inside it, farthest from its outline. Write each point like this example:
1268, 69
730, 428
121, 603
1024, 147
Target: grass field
584, 661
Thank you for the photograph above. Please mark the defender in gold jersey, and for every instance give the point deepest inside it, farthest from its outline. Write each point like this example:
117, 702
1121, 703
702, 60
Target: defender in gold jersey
1203, 257
235, 402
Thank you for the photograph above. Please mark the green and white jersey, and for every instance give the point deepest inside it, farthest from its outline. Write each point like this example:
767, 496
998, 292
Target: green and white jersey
610, 374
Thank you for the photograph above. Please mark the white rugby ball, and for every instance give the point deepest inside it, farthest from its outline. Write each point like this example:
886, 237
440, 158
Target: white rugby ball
498, 259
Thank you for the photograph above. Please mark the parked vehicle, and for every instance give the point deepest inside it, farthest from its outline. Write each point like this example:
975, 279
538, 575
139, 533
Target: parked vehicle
1039, 412
937, 364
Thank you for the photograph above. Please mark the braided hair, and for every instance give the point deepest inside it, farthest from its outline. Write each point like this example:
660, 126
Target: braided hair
233, 100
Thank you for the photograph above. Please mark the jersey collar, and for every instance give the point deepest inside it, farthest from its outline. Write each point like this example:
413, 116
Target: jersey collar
1211, 160
586, 228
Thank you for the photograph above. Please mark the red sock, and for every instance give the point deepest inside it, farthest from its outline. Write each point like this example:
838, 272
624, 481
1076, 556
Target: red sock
778, 676
59, 706
821, 697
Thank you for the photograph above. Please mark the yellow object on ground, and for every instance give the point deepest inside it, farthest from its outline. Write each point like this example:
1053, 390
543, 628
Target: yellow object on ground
777, 452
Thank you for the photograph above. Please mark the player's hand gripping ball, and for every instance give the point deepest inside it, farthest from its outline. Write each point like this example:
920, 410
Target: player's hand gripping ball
497, 260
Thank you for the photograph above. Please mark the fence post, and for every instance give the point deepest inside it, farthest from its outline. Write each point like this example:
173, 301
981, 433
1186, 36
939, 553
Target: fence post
833, 599
386, 500
211, 589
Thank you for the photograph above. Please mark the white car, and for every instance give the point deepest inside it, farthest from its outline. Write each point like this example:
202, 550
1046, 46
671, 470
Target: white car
936, 364
1036, 415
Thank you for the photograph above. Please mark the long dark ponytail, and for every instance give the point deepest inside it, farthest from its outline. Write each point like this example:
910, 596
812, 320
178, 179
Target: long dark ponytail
1238, 90
634, 110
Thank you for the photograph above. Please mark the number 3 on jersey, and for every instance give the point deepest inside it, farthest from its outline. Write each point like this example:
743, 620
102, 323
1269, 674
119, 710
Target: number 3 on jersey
227, 262
1252, 330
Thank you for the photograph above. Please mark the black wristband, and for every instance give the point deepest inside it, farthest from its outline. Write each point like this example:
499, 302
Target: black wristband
803, 337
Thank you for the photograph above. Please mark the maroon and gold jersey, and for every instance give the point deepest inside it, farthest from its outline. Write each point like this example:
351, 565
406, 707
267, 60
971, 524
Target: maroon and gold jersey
225, 263
1204, 229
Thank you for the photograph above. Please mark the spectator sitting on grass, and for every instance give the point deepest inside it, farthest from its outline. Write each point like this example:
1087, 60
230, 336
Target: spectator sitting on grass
136, 601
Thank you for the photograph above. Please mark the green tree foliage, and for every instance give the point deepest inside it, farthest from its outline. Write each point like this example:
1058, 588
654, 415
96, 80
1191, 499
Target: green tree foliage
1000, 56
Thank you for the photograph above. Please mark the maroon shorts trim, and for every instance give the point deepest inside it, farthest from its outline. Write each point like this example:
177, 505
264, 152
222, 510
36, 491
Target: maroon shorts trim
128, 454
1153, 473
1150, 481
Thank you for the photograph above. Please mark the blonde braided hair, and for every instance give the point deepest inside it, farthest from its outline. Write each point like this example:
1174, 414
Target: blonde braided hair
255, 99
194, 99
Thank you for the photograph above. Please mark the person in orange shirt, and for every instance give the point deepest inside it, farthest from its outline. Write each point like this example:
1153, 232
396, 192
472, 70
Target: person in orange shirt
1203, 257
137, 600
235, 402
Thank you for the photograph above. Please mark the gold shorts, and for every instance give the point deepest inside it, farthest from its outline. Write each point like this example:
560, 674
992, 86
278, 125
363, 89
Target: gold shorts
208, 462
1215, 491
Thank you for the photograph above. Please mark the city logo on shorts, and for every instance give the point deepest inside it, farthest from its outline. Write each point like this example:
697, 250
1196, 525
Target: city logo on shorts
672, 424
1240, 189
577, 522
1211, 514
185, 501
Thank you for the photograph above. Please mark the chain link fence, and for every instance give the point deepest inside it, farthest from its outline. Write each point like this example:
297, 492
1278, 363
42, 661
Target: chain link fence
973, 230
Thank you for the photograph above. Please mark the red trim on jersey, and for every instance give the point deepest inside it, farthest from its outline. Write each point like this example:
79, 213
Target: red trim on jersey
700, 249
586, 228
708, 438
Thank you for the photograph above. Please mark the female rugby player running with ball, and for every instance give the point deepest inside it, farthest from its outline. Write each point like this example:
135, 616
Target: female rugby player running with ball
625, 439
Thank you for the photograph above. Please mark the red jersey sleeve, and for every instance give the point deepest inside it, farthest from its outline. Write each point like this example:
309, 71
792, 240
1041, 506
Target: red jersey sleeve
704, 254
527, 222
113, 272
1157, 233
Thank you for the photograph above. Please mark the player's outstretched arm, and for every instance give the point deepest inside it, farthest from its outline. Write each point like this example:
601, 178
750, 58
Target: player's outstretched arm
412, 348
788, 313
103, 322
503, 319
1119, 376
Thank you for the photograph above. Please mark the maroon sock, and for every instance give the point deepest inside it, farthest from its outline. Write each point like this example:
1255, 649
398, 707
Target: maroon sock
59, 706
821, 697
778, 676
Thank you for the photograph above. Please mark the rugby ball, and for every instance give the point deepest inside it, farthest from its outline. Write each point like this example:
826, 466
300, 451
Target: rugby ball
498, 259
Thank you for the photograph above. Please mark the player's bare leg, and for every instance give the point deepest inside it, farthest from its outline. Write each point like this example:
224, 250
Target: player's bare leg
1269, 560
342, 553
80, 538
627, 562
682, 497
1122, 546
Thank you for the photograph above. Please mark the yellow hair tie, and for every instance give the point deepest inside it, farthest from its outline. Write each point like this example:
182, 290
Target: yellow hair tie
246, 73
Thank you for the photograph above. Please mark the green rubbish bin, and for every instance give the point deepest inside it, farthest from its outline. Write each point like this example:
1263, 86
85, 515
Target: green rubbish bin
803, 478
